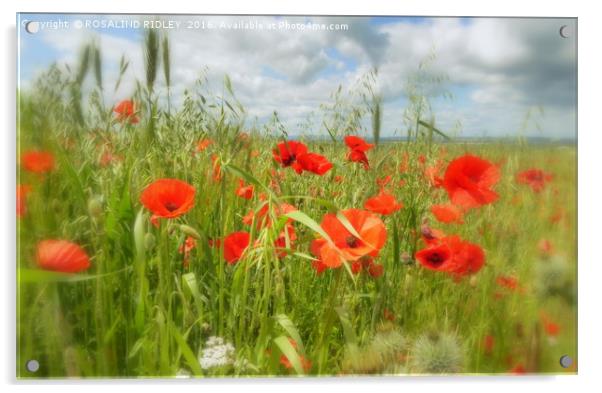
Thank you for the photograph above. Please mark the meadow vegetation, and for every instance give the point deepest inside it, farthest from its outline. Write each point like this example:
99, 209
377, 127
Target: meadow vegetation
352, 256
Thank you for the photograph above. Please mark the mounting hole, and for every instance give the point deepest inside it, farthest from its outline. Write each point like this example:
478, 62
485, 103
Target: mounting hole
566, 361
32, 365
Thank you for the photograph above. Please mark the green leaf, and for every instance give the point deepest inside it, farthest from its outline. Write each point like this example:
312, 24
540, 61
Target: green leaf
348, 225
186, 351
190, 283
291, 354
136, 348
290, 328
247, 177
228, 84
304, 256
139, 234
304, 219
350, 337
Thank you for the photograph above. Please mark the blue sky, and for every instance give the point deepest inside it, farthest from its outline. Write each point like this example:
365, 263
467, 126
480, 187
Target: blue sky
496, 69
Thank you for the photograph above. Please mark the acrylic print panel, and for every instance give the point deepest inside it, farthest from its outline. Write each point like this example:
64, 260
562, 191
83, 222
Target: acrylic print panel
218, 196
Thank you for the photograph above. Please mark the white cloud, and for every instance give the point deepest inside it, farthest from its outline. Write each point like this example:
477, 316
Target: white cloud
499, 67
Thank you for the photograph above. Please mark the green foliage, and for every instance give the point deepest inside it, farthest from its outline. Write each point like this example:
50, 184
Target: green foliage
140, 311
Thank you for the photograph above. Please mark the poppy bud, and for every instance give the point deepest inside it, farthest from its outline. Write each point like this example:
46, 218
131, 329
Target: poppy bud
95, 207
406, 258
376, 270
190, 231
149, 241
426, 231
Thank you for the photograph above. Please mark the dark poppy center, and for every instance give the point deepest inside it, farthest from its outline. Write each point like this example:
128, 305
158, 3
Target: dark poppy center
352, 241
436, 258
171, 206
289, 160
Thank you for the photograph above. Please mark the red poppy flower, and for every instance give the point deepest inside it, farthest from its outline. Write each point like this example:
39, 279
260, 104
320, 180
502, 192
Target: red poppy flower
356, 267
358, 156
203, 144
452, 255
519, 369
319, 267
346, 246
435, 257
315, 163
316, 246
214, 243
235, 245
37, 161
107, 157
447, 213
186, 248
188, 245
405, 163
545, 247
243, 191
432, 174
62, 256
535, 178
168, 198
367, 261
468, 181
509, 282
468, 258
558, 215
383, 203
551, 328
280, 242
125, 111
287, 153
383, 181
338, 179
389, 316
305, 363
357, 143
217, 168
488, 344
376, 270
262, 218
22, 191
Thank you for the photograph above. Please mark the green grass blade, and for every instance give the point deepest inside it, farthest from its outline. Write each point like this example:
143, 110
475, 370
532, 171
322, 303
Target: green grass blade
192, 361
287, 350
290, 328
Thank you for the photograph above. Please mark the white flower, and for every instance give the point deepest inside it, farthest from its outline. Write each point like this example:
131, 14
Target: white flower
216, 353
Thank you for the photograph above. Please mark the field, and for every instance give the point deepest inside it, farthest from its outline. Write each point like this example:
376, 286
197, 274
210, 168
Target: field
238, 265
